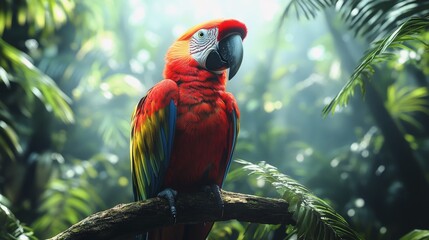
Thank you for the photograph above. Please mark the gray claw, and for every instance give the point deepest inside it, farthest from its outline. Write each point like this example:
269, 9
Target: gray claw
170, 195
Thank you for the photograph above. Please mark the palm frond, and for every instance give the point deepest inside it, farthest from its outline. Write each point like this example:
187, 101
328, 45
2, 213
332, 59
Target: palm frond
411, 30
315, 219
403, 102
370, 18
33, 82
307, 8
416, 235
11, 228
374, 18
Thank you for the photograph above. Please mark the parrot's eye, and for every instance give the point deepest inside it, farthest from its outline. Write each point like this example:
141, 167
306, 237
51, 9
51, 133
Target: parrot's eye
201, 34
202, 41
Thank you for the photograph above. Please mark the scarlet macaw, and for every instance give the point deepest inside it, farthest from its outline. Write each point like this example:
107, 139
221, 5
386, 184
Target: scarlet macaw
184, 130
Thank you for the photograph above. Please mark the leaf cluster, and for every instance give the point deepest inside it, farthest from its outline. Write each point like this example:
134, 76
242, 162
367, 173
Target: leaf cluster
381, 50
11, 228
315, 219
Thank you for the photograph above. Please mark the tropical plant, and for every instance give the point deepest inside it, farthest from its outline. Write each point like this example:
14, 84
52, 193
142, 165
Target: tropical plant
416, 235
394, 28
411, 30
44, 15
315, 219
403, 102
94, 60
47, 104
394, 22
11, 228
370, 18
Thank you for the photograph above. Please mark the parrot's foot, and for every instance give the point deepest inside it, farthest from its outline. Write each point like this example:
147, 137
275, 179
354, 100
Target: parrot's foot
170, 195
215, 189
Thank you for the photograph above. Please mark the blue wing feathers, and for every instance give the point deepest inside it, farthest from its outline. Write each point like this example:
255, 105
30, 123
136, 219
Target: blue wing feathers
233, 141
172, 127
160, 159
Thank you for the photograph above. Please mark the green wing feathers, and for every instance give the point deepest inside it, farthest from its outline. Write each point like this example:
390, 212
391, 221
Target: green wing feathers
152, 133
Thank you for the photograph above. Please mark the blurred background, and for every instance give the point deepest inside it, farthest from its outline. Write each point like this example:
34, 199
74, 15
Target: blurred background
71, 72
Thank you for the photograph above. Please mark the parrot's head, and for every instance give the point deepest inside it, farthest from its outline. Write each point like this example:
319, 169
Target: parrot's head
214, 47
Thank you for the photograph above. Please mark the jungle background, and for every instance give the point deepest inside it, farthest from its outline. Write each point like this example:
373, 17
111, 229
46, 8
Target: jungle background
71, 72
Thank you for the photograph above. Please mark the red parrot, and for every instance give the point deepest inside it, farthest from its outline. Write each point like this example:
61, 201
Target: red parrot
184, 130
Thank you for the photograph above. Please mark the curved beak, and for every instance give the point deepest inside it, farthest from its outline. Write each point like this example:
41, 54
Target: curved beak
228, 54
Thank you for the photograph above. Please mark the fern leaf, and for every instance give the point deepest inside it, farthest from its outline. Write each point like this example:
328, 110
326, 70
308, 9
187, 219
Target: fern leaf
315, 219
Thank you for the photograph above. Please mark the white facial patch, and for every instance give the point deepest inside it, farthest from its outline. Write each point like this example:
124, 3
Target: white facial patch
201, 44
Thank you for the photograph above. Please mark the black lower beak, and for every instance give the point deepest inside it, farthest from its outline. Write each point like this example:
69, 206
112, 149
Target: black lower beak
228, 55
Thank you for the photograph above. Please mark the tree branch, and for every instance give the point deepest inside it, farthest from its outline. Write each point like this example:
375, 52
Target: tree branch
137, 217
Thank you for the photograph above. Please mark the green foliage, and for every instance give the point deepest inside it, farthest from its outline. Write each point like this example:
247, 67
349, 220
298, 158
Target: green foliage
403, 102
34, 83
315, 219
66, 201
67, 155
103, 56
4, 201
370, 18
309, 7
76, 192
411, 30
416, 235
9, 144
262, 231
16, 69
41, 15
11, 228
227, 230
375, 18
99, 90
